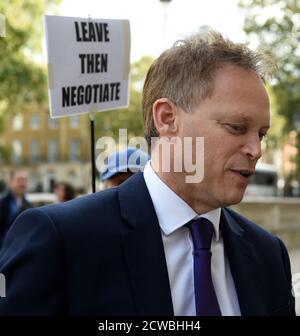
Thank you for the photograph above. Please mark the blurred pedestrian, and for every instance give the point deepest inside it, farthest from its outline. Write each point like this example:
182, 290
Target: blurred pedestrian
13, 201
64, 191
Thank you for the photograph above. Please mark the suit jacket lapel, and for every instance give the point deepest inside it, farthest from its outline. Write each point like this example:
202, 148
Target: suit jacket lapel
242, 259
144, 251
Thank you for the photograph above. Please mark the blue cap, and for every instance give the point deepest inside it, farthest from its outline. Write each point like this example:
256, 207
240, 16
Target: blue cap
129, 160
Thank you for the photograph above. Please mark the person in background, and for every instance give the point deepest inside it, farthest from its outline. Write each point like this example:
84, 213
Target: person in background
13, 201
64, 191
121, 165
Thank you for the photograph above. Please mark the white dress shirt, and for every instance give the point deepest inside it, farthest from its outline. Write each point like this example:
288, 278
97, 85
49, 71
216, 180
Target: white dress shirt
173, 213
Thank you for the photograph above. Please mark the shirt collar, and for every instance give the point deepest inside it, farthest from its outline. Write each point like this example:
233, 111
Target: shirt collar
171, 210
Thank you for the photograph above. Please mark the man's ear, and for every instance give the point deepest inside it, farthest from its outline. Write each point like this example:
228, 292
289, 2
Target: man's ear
165, 115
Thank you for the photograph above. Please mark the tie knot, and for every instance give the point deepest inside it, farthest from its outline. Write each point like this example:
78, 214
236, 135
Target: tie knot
202, 231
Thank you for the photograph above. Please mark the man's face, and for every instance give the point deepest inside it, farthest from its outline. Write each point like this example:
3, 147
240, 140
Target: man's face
233, 121
18, 183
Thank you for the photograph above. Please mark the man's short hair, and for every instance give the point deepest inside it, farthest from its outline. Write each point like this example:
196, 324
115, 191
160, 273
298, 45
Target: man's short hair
185, 72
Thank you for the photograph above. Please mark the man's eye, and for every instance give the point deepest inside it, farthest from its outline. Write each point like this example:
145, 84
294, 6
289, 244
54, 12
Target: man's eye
235, 128
262, 136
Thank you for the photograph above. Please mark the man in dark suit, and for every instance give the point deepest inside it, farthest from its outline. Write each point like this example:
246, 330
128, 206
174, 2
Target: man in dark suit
13, 202
163, 242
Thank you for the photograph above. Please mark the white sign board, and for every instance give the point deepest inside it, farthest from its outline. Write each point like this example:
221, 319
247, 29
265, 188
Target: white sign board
88, 64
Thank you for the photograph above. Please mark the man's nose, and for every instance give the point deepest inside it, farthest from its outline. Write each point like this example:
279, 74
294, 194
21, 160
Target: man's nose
252, 147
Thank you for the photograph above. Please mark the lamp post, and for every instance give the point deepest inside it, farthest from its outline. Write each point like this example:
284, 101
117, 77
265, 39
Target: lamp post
165, 4
297, 127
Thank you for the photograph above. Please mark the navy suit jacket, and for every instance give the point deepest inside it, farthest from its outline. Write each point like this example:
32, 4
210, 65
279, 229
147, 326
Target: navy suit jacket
103, 254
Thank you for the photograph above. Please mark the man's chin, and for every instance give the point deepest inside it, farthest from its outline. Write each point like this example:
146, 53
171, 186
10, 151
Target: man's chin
234, 198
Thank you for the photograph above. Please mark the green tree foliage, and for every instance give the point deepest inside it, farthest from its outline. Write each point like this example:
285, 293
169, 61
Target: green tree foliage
108, 123
275, 25
22, 79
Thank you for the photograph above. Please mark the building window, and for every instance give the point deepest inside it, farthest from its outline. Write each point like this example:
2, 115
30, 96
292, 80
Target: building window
74, 152
35, 121
74, 121
52, 123
52, 150
34, 151
17, 122
16, 151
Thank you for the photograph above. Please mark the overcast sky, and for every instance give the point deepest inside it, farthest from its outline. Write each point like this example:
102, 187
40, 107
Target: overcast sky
154, 27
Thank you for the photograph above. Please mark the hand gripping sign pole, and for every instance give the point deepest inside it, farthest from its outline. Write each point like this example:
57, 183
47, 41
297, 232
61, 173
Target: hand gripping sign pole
88, 68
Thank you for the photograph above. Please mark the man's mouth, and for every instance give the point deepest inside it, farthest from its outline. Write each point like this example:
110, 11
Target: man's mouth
246, 173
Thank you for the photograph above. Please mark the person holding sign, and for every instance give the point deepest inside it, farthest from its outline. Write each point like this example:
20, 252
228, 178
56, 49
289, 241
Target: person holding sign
164, 242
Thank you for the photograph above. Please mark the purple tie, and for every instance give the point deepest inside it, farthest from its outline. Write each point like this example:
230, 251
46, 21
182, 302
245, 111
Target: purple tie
205, 295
